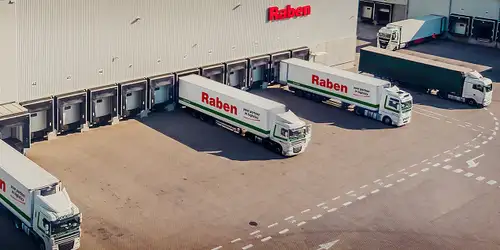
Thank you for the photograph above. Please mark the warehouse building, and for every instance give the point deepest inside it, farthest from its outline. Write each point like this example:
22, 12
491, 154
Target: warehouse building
476, 22
71, 64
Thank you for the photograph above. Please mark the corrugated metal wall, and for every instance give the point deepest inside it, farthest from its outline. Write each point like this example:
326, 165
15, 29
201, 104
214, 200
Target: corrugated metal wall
478, 8
64, 45
418, 8
8, 86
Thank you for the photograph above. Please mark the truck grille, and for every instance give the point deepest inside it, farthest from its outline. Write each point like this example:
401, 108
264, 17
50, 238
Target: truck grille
67, 238
67, 245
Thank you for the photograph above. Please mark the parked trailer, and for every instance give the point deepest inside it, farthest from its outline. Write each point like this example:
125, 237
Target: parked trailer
401, 34
450, 81
374, 98
38, 202
256, 118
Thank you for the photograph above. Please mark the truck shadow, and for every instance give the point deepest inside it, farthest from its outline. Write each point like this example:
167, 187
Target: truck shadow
320, 112
483, 59
436, 102
10, 238
203, 137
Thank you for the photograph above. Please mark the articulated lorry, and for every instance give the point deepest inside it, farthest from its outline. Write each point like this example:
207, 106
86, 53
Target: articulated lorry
374, 98
260, 120
447, 80
38, 202
401, 34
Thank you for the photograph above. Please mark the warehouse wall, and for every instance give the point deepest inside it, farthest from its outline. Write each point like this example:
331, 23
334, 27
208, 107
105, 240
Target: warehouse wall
477, 8
66, 45
8, 87
425, 7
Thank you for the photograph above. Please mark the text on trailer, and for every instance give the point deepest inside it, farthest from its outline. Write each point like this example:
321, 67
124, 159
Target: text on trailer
316, 80
217, 103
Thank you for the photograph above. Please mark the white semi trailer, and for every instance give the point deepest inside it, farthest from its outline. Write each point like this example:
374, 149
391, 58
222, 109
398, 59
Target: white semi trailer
38, 202
372, 97
258, 119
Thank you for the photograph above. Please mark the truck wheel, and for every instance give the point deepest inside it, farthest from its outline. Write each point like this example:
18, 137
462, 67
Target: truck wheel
278, 149
387, 121
358, 111
41, 246
471, 102
298, 92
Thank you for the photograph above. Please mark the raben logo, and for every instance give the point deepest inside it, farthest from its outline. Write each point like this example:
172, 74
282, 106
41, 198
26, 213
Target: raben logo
217, 103
2, 185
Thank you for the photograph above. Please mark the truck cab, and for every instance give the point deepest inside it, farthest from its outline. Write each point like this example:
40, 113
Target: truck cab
478, 90
389, 37
291, 133
397, 106
56, 219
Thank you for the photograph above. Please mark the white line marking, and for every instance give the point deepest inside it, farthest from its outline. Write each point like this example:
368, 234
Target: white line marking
447, 167
494, 118
496, 128
364, 186
458, 170
305, 211
217, 248
433, 117
347, 204
490, 138
479, 135
474, 139
255, 232
468, 123
436, 156
475, 130
377, 180
436, 165
361, 197
458, 155
284, 231
301, 223
388, 185
467, 151
400, 180
460, 125
496, 123
477, 146
350, 192
336, 198
321, 204
492, 182
272, 225
414, 165
289, 218
481, 127
424, 160
424, 169
480, 178
413, 174
266, 239
401, 170
325, 207
449, 122
491, 113
457, 147
485, 108
332, 210
429, 163
375, 191
447, 151
235, 240
247, 247
317, 217
447, 160
494, 132
484, 142
468, 174
387, 176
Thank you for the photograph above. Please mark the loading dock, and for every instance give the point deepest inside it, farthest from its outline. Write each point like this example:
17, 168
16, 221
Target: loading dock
483, 29
15, 126
258, 73
161, 92
382, 13
133, 97
179, 75
301, 53
214, 72
275, 65
366, 11
41, 118
459, 25
71, 112
236, 74
103, 105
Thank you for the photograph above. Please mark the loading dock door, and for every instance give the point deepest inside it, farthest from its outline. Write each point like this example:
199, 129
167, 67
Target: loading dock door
483, 29
259, 71
237, 74
459, 25
132, 98
71, 111
383, 13
161, 91
275, 65
366, 10
215, 73
179, 75
301, 53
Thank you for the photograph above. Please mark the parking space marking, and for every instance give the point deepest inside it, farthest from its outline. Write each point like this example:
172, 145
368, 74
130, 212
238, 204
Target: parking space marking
490, 138
375, 191
413, 174
377, 180
273, 225
481, 127
305, 211
361, 197
387, 176
321, 204
447, 167
336, 198
255, 232
235, 240
217, 248
458, 155
467, 151
284, 231
289, 218
447, 160
458, 170
301, 223
468, 175
266, 239
447, 151
476, 147
400, 180
364, 186
436, 165
492, 182
424, 169
350, 192
388, 185
347, 204
484, 142
414, 165
480, 178
436, 156
401, 170
317, 216
424, 160
247, 247
332, 210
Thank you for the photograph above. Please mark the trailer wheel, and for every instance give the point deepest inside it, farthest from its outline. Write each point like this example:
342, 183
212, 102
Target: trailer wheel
278, 149
358, 111
471, 102
299, 93
387, 120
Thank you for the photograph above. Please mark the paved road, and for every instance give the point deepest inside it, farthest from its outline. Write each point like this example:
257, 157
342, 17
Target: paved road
11, 239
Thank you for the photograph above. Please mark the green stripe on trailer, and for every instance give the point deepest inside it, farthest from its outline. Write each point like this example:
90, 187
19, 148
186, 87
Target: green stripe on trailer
188, 102
25, 216
376, 106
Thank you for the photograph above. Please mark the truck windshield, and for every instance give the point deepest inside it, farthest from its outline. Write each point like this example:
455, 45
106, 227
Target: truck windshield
406, 106
488, 88
296, 134
65, 225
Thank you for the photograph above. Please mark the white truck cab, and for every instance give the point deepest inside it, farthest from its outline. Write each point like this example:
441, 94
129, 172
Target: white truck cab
291, 133
478, 90
388, 37
397, 106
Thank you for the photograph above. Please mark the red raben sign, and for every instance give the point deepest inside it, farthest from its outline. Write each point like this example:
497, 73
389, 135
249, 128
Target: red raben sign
217, 103
2, 185
275, 13
316, 80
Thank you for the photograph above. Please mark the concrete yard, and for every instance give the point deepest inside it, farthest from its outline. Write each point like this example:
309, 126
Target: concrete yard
173, 182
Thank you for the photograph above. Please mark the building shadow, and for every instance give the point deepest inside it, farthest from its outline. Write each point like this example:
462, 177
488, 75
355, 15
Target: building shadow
10, 238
